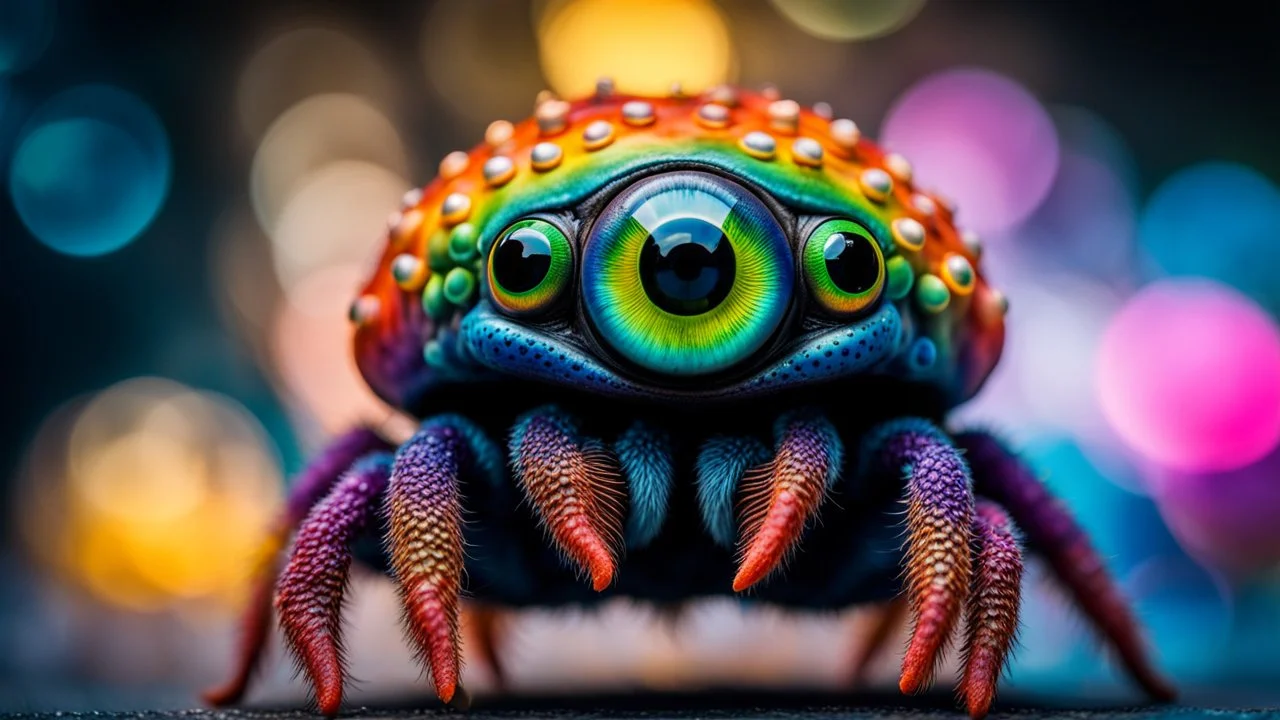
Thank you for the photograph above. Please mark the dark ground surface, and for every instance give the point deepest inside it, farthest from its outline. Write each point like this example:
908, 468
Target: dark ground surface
730, 705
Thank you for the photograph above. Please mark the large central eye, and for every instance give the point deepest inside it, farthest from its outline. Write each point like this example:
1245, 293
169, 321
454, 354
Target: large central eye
687, 266
687, 273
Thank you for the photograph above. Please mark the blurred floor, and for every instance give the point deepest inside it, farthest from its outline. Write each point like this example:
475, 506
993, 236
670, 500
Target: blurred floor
733, 704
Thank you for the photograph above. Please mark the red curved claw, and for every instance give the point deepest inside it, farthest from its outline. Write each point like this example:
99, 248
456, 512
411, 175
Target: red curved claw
575, 490
939, 518
781, 496
425, 539
309, 597
992, 613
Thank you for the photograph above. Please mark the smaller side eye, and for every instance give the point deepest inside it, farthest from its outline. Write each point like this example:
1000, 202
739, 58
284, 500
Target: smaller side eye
529, 266
844, 267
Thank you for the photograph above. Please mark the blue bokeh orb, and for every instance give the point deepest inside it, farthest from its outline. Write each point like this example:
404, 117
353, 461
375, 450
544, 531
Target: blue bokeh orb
91, 170
1219, 220
26, 27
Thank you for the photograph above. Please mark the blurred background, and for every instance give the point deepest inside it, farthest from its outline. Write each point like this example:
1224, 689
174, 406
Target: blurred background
191, 191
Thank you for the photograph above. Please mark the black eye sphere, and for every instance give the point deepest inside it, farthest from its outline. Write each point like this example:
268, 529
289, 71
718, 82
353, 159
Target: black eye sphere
522, 259
852, 263
687, 266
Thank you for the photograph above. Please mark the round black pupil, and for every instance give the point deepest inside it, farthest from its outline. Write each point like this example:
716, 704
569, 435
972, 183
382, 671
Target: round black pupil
522, 259
851, 262
687, 266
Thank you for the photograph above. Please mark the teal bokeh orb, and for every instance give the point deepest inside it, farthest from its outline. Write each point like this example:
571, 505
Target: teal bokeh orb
90, 171
1217, 220
25, 29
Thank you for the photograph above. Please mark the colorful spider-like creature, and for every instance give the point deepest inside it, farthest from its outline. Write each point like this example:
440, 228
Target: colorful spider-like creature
653, 341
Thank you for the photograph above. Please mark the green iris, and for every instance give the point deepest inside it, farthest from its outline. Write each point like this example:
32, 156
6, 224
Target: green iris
844, 266
529, 266
686, 273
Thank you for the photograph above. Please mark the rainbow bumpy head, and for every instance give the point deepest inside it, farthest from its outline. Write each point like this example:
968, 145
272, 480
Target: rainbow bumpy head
727, 246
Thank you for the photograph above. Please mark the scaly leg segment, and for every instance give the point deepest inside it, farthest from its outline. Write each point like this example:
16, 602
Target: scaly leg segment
574, 489
781, 496
309, 597
1051, 532
939, 518
424, 511
310, 487
991, 617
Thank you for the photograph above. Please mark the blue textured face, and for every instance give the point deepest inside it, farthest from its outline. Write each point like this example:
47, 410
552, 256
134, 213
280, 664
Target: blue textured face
683, 281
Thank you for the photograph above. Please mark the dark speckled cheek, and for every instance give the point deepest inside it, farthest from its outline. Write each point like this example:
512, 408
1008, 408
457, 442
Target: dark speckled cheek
507, 346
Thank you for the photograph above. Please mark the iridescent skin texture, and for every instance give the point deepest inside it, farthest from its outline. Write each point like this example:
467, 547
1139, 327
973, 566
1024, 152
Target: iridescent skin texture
671, 348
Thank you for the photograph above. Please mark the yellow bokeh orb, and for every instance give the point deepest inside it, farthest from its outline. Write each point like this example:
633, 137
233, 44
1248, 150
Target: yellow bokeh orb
151, 493
644, 45
849, 19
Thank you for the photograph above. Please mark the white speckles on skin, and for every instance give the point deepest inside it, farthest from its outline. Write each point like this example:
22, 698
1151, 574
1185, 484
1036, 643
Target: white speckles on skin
454, 164
545, 156
637, 113
784, 115
924, 204
411, 199
597, 135
845, 133
498, 170
455, 209
759, 145
876, 184
898, 167
972, 242
365, 309
713, 115
908, 233
807, 152
552, 116
499, 133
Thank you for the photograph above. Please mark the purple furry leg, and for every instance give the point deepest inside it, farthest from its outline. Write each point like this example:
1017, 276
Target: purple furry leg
939, 522
991, 618
308, 489
309, 597
424, 511
1051, 532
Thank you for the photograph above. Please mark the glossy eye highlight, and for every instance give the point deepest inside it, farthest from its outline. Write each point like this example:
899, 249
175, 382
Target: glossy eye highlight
844, 266
686, 273
529, 266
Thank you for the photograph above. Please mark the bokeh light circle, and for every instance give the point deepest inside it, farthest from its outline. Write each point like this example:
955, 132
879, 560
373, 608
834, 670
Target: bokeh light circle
304, 61
1226, 519
849, 19
336, 217
315, 132
979, 138
481, 58
26, 26
91, 170
1189, 376
644, 45
310, 346
151, 493
1219, 220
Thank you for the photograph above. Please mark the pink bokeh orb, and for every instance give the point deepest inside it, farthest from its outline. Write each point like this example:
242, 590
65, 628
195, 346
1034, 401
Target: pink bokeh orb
980, 139
1188, 376
1226, 520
